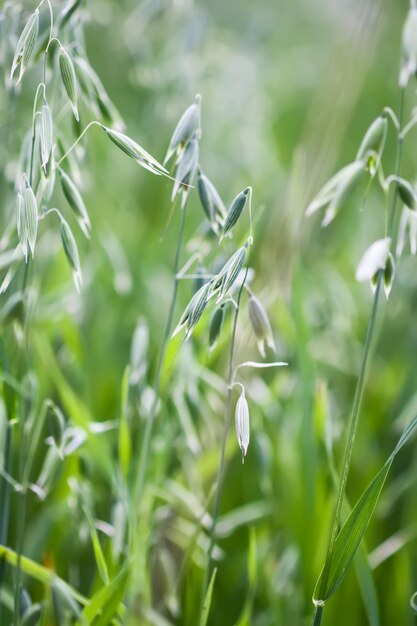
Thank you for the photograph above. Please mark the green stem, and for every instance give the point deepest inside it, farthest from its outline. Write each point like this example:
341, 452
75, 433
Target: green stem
144, 453
77, 141
354, 417
318, 615
220, 471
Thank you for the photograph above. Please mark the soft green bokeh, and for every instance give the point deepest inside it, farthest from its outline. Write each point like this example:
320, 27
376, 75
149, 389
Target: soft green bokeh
288, 90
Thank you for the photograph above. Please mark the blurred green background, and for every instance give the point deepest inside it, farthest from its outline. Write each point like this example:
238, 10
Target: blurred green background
288, 91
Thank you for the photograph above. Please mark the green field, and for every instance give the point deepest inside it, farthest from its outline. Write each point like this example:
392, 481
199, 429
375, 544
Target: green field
207, 368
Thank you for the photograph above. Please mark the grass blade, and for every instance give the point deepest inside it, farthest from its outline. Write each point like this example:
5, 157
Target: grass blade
354, 528
207, 599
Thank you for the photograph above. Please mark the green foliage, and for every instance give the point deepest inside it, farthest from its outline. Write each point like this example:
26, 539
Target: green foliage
123, 499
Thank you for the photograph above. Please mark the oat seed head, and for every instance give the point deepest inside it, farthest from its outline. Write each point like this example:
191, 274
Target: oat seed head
242, 424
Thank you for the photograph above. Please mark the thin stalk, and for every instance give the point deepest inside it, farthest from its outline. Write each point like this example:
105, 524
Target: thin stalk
144, 453
77, 141
354, 417
220, 471
318, 615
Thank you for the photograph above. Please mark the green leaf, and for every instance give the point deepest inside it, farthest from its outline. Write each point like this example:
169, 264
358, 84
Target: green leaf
207, 599
113, 598
367, 586
350, 536
98, 552
42, 574
103, 598
124, 442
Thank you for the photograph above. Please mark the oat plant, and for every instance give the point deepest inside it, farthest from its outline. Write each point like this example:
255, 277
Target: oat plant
377, 266
44, 51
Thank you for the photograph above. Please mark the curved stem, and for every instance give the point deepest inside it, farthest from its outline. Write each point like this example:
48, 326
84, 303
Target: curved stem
220, 472
354, 417
77, 141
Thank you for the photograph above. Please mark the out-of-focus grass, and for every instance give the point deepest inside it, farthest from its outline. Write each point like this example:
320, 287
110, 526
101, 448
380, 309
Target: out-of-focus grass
289, 89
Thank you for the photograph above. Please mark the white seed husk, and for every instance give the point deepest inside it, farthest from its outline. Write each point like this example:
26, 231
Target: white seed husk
374, 259
29, 217
46, 133
242, 424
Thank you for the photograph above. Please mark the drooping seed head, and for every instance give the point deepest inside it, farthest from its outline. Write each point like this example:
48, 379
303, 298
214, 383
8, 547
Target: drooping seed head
185, 129
242, 424
69, 80
336, 191
135, 151
228, 275
235, 210
374, 138
46, 135
216, 324
186, 168
194, 309
407, 193
198, 307
76, 202
27, 219
261, 325
211, 202
70, 248
373, 260
25, 45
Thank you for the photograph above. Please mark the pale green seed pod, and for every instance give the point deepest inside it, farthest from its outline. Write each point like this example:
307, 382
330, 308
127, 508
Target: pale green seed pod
261, 325
407, 194
343, 190
216, 325
194, 310
235, 210
336, 191
66, 68
211, 202
25, 45
242, 424
186, 168
135, 151
76, 202
71, 251
46, 135
389, 274
204, 196
233, 272
200, 301
27, 219
95, 92
185, 128
374, 138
